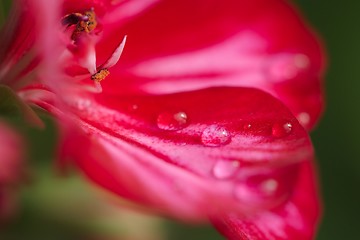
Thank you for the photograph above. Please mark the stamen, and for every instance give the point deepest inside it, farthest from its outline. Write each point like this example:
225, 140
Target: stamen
115, 56
91, 23
84, 48
103, 71
100, 75
73, 19
83, 23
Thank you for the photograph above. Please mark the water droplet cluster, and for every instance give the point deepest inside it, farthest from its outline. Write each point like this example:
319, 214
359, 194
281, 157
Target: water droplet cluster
254, 190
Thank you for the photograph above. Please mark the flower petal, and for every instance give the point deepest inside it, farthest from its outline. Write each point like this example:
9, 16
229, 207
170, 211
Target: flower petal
10, 155
295, 220
189, 154
174, 47
18, 37
17, 32
11, 170
22, 48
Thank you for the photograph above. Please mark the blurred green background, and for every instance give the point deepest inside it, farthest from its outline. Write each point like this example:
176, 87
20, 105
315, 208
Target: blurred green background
337, 138
54, 208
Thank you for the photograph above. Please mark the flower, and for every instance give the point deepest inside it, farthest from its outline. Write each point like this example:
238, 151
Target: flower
196, 120
11, 171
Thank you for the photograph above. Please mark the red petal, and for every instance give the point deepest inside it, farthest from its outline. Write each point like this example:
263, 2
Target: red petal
17, 56
99, 6
11, 156
190, 154
18, 33
295, 220
22, 47
11, 170
187, 45
108, 11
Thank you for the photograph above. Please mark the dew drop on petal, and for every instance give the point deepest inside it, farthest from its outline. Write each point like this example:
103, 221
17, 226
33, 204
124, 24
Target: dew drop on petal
214, 136
242, 193
285, 67
256, 193
304, 119
247, 126
301, 61
171, 121
133, 107
225, 169
269, 186
281, 129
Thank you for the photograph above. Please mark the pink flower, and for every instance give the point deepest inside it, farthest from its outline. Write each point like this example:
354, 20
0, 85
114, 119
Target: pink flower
196, 120
11, 169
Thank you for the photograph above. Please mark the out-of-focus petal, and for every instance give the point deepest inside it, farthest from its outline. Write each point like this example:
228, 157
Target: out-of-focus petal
109, 11
189, 154
295, 220
18, 37
11, 155
17, 32
11, 169
186, 45
22, 47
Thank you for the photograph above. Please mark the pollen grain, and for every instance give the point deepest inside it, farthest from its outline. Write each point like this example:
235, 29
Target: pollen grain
100, 75
83, 22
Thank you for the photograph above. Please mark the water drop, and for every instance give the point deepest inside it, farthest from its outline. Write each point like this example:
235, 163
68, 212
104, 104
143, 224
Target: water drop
301, 61
134, 107
284, 67
171, 121
214, 136
243, 193
304, 119
225, 169
247, 127
281, 129
269, 186
256, 192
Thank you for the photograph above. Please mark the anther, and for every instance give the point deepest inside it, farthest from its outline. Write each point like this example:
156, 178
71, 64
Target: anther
100, 75
90, 24
83, 22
